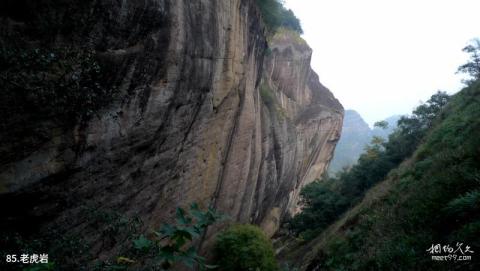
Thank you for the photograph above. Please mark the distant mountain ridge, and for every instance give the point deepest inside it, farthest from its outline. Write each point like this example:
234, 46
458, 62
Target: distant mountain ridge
355, 135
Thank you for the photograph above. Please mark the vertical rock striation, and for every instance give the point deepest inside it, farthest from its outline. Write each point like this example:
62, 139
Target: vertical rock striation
206, 114
301, 125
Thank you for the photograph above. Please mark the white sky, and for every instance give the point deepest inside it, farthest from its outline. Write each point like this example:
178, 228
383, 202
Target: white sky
382, 57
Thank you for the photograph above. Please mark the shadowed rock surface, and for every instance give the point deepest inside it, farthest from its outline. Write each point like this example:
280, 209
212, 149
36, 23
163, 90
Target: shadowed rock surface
205, 114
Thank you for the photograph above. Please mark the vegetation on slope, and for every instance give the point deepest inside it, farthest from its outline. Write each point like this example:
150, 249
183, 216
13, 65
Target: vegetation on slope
324, 201
275, 15
434, 201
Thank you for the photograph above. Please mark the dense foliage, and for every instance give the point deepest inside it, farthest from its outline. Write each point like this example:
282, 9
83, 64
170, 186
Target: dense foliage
275, 15
435, 200
243, 248
324, 201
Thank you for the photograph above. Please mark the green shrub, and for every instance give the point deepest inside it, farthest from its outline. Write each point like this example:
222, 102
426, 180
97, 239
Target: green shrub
174, 243
275, 15
245, 247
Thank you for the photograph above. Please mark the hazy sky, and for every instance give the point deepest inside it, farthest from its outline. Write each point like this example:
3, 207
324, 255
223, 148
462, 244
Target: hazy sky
382, 57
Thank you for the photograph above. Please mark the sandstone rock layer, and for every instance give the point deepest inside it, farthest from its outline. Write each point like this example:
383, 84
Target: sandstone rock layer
209, 112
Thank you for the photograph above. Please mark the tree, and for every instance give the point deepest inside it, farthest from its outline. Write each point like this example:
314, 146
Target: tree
381, 124
424, 114
472, 67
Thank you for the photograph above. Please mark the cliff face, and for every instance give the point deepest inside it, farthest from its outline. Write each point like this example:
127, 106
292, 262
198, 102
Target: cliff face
301, 121
206, 114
